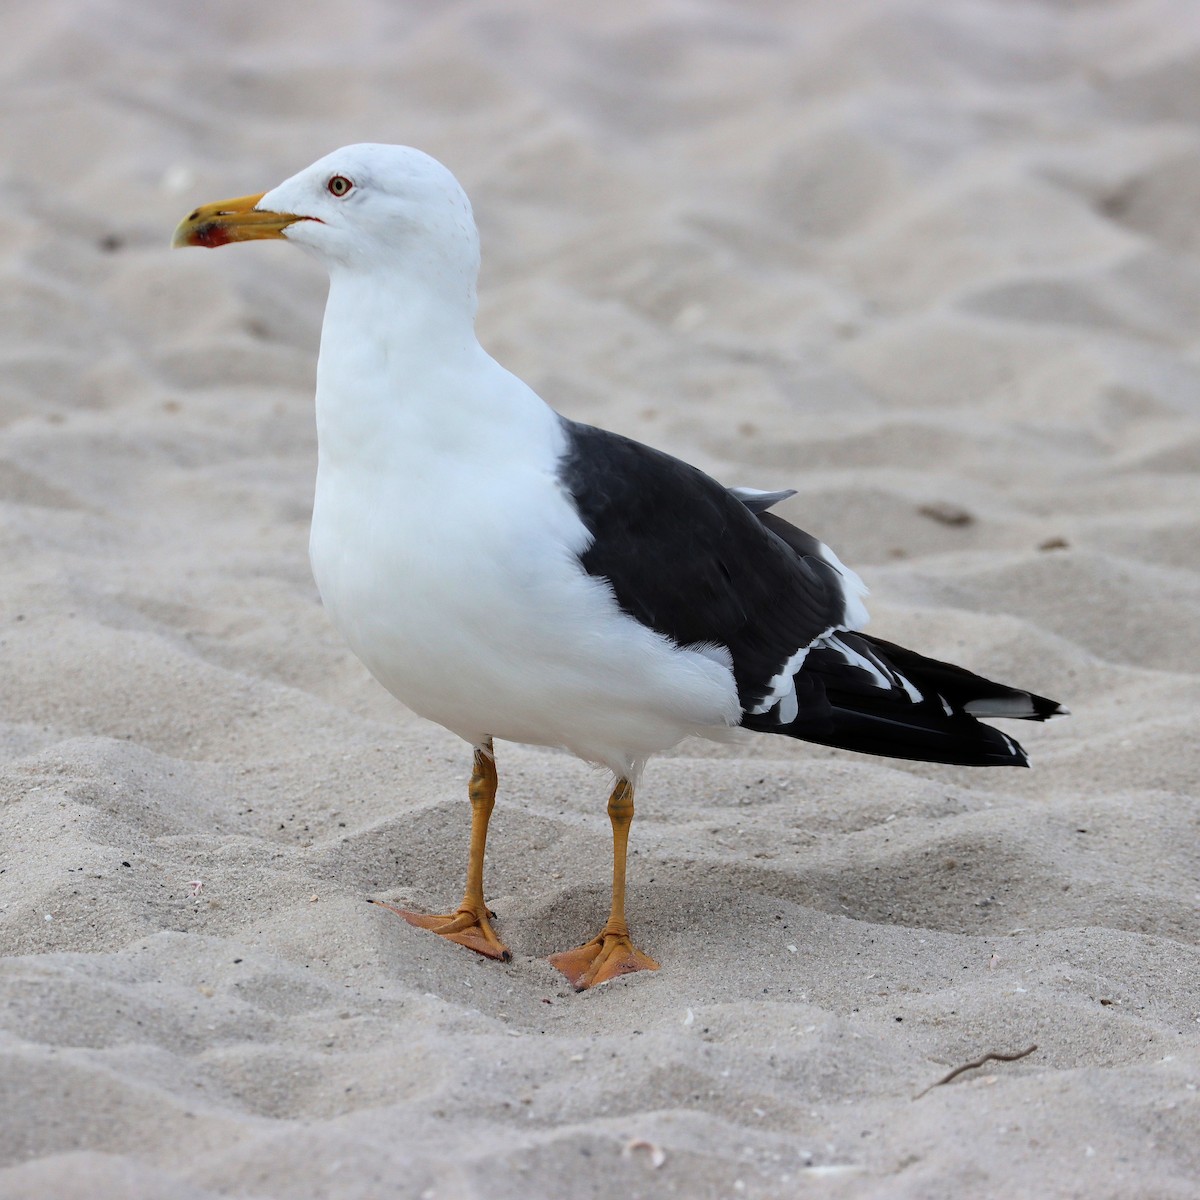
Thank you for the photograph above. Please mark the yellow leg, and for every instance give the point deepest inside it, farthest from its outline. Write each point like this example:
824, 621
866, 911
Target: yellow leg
470, 925
611, 952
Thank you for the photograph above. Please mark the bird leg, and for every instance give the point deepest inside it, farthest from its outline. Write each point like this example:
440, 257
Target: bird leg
470, 924
611, 952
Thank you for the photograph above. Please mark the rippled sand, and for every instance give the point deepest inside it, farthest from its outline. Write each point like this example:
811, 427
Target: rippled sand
935, 266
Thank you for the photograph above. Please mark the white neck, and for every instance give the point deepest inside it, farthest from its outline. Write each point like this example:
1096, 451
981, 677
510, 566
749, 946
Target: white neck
398, 313
401, 375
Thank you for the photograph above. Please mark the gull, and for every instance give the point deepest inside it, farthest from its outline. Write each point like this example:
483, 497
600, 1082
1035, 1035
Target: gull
513, 574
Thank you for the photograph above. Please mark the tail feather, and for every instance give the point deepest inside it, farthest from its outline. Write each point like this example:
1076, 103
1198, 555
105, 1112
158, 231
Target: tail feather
963, 689
862, 693
919, 737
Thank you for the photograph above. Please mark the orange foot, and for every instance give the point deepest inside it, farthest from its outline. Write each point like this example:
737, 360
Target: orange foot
603, 958
468, 927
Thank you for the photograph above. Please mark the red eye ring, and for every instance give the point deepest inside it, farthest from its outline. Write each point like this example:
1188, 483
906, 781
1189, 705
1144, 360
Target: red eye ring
339, 186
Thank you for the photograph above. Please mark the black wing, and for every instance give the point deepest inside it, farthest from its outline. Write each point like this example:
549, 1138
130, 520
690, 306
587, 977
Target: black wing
702, 564
692, 561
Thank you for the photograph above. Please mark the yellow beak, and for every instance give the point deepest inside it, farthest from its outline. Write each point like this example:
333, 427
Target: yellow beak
231, 221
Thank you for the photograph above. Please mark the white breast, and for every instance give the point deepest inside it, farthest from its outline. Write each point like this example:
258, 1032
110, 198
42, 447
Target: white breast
446, 553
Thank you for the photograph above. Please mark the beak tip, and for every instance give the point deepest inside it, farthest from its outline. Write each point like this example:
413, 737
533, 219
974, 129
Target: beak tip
208, 234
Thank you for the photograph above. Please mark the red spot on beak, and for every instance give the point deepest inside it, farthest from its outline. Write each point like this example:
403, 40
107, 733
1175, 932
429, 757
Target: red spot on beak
212, 235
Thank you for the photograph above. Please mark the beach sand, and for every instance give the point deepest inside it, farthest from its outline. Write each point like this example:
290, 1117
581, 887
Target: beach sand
935, 266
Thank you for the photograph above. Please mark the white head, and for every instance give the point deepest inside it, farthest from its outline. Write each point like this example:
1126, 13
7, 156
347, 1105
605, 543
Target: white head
365, 209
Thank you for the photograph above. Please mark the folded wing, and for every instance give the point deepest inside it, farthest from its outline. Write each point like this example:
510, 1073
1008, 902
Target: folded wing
710, 566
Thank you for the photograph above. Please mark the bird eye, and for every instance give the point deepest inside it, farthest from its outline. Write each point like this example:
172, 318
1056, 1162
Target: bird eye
339, 185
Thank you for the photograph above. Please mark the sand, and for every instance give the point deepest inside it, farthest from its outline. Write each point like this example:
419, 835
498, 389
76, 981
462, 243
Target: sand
936, 266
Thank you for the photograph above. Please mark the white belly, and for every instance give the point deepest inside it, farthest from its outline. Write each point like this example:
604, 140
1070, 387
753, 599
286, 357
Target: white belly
464, 597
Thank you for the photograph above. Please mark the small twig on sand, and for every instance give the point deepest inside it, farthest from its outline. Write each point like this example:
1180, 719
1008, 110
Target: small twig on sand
993, 1055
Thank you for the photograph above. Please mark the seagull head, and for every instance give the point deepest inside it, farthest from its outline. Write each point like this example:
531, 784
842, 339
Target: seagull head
365, 209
